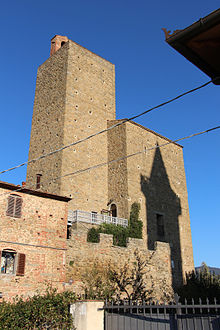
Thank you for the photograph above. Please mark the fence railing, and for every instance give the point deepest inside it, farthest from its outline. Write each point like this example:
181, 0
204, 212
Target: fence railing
134, 315
94, 218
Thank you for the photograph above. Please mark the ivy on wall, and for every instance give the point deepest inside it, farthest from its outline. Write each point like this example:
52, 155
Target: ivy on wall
135, 225
120, 233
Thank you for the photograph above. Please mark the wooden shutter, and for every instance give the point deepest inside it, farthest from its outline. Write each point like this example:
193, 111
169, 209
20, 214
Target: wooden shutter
18, 205
11, 204
21, 264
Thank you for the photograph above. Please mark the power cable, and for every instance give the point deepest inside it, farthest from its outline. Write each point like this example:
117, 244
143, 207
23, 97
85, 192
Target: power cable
118, 159
109, 128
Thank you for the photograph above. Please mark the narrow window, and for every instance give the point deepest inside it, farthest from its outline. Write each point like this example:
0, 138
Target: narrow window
14, 206
160, 225
68, 235
114, 210
38, 181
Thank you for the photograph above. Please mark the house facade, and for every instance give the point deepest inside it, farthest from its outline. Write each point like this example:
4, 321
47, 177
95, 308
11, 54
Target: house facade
32, 241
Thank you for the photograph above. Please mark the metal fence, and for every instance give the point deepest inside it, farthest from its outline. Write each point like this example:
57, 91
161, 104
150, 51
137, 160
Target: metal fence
94, 218
136, 315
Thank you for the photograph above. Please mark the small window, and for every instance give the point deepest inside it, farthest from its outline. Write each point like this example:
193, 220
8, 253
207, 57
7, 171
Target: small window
69, 232
62, 43
160, 225
14, 206
8, 262
38, 181
12, 262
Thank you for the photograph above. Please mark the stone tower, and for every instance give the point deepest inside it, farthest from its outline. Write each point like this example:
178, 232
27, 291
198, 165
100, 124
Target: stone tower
74, 98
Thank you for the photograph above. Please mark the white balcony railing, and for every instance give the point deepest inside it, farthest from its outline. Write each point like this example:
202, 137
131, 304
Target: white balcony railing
95, 218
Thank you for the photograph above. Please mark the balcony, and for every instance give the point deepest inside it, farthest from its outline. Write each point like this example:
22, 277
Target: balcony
94, 218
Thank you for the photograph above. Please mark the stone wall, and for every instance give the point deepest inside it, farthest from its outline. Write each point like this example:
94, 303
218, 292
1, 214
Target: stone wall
40, 234
75, 96
156, 179
47, 130
82, 255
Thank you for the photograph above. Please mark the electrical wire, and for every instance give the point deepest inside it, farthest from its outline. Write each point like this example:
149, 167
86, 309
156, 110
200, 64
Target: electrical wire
118, 159
107, 129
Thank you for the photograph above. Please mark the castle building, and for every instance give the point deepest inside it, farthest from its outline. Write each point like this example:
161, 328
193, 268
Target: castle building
104, 175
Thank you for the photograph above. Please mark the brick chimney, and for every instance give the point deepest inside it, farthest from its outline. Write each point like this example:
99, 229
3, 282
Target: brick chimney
56, 43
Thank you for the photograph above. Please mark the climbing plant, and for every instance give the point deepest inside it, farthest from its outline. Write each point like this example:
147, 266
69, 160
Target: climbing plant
135, 225
120, 233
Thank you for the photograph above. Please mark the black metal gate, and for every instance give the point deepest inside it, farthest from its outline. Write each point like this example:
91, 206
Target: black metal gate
141, 316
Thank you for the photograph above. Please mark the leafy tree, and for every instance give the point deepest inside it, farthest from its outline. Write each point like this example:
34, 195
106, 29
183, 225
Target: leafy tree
200, 284
97, 283
131, 281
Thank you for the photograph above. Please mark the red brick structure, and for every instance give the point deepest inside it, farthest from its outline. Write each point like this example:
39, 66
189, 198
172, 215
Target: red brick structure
32, 241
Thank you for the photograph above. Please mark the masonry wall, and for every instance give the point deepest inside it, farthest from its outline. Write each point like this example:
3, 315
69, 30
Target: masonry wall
47, 131
40, 234
75, 95
90, 101
82, 255
117, 169
156, 179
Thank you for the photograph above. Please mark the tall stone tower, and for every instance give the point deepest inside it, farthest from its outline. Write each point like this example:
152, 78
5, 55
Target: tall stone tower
74, 98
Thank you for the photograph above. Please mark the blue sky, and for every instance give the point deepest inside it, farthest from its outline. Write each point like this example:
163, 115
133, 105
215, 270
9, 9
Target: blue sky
148, 72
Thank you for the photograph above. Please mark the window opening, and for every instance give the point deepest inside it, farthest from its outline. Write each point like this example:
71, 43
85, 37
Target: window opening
62, 43
68, 235
8, 262
38, 181
14, 206
160, 225
114, 210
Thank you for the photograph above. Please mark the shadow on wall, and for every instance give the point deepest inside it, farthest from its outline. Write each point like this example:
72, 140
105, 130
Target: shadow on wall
163, 209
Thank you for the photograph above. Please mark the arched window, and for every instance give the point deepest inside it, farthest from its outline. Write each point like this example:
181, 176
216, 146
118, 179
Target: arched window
62, 43
114, 210
14, 206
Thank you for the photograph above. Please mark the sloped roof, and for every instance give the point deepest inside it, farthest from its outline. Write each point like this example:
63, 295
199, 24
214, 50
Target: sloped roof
200, 44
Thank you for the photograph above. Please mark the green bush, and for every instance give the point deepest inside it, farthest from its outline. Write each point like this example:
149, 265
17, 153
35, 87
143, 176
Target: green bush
120, 233
50, 311
93, 235
200, 284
